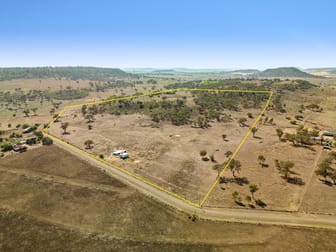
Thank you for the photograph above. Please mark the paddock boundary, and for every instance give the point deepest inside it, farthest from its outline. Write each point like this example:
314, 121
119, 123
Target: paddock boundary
144, 180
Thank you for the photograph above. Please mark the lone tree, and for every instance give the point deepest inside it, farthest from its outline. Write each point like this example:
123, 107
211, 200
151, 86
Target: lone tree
236, 197
34, 110
285, 168
261, 160
253, 189
228, 154
235, 167
325, 170
218, 168
254, 131
26, 112
224, 136
47, 141
90, 118
279, 133
242, 122
64, 126
203, 153
88, 144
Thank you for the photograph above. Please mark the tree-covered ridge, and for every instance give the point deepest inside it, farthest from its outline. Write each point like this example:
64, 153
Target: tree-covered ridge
74, 73
284, 72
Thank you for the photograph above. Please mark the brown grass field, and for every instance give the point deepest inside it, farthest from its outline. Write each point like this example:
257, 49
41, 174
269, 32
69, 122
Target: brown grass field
48, 203
51, 200
165, 154
313, 196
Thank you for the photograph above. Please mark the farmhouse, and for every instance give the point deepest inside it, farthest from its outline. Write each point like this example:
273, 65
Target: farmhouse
19, 148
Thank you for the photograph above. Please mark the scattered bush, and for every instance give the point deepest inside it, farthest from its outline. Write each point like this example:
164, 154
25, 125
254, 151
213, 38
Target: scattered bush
203, 153
6, 147
47, 141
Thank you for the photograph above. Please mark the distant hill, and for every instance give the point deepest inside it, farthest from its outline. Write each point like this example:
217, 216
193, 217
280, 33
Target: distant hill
75, 73
283, 72
325, 72
245, 71
174, 70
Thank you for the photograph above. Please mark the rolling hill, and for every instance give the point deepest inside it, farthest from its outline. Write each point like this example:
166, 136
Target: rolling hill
75, 73
284, 72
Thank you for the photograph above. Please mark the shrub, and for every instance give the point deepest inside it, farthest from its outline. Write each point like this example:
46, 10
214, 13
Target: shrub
47, 141
101, 156
31, 141
6, 147
38, 134
203, 153
25, 126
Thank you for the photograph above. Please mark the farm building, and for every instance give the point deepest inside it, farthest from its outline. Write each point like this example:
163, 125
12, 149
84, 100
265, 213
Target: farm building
121, 154
19, 148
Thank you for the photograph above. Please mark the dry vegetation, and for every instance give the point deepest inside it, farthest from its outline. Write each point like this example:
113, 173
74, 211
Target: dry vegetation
56, 204
160, 151
49, 198
304, 191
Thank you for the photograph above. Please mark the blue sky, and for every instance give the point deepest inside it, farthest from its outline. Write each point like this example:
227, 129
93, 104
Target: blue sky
198, 34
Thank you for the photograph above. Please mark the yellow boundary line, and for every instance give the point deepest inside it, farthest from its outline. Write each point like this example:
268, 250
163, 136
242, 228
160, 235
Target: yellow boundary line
242, 142
157, 93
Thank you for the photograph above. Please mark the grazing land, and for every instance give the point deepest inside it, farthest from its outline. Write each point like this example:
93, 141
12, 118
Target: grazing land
180, 141
47, 202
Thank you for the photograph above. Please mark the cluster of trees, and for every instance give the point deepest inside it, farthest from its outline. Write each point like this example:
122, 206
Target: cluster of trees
15, 138
314, 107
297, 85
177, 111
302, 137
209, 106
277, 104
326, 169
249, 198
100, 86
69, 94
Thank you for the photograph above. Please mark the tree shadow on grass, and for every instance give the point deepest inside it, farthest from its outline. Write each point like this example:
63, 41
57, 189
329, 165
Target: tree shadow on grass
296, 181
326, 182
261, 203
239, 203
238, 180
